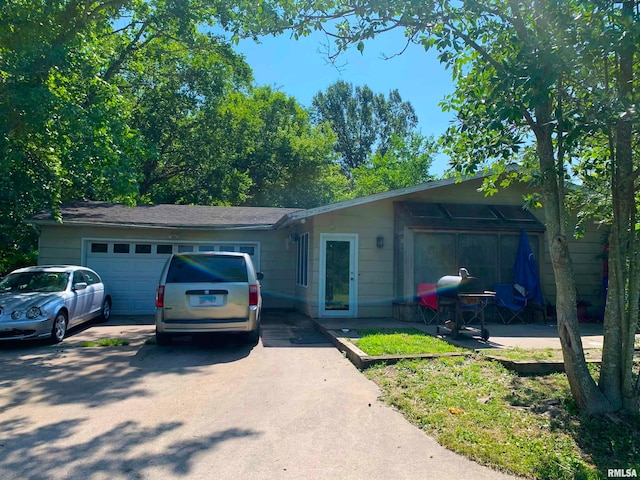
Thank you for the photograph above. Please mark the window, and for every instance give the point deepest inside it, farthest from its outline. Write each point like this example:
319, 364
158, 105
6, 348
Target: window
302, 276
164, 249
478, 253
227, 248
185, 248
143, 248
90, 277
207, 269
99, 248
434, 256
121, 248
487, 256
206, 248
250, 250
78, 277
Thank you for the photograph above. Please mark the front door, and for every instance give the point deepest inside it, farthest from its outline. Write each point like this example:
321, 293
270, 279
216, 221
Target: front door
338, 275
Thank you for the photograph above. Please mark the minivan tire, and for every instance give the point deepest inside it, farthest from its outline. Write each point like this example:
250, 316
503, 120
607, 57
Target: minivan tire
163, 339
253, 336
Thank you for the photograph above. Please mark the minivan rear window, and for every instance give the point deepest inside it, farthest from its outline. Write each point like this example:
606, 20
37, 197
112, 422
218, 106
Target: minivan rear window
206, 269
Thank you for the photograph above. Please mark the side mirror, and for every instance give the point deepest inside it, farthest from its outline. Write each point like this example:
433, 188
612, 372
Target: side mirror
260, 275
80, 286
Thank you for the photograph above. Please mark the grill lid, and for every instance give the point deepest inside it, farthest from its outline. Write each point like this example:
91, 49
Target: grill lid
452, 285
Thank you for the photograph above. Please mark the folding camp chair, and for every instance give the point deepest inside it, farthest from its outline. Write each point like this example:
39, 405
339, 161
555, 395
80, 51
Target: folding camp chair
509, 304
427, 302
471, 310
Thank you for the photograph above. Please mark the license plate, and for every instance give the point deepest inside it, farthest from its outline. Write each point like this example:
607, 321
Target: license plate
206, 300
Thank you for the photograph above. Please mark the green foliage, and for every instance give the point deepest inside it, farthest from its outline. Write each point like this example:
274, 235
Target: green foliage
131, 101
405, 163
364, 122
288, 162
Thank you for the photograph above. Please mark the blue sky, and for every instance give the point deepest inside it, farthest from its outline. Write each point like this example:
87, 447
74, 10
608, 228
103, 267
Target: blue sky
301, 69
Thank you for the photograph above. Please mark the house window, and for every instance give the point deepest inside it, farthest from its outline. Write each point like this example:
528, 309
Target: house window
250, 250
121, 248
99, 247
434, 256
143, 248
302, 275
185, 248
487, 256
164, 249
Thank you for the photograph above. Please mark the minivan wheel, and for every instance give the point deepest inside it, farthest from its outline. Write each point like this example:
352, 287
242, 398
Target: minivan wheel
253, 336
163, 339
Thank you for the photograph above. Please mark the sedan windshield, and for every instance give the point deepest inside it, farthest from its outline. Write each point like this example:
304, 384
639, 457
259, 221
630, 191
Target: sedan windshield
34, 282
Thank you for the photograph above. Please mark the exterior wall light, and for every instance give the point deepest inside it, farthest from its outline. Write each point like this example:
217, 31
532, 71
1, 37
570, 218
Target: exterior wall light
379, 241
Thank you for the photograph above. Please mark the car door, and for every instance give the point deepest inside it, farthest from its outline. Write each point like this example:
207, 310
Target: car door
81, 299
95, 292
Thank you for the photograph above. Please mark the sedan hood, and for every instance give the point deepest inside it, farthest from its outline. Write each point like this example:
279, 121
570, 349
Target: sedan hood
21, 301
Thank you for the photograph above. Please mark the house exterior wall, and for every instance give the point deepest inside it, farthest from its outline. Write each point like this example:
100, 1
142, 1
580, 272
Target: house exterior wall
377, 278
376, 266
64, 244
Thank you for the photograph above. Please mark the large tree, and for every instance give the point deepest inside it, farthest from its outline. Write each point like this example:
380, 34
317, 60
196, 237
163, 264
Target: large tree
522, 75
129, 100
288, 162
363, 121
404, 164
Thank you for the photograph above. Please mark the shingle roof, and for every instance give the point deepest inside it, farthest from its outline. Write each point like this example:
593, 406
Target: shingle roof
165, 216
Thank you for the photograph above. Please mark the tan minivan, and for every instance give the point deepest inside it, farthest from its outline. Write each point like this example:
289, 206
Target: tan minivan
207, 293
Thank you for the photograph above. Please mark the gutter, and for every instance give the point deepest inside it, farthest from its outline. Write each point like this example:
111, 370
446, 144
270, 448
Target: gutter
154, 226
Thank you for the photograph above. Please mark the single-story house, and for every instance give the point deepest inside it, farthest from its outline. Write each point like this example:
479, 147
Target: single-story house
349, 259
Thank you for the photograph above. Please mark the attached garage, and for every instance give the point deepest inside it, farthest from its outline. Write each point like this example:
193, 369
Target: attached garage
131, 269
129, 246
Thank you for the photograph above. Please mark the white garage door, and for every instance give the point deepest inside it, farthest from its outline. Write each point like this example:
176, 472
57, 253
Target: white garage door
131, 270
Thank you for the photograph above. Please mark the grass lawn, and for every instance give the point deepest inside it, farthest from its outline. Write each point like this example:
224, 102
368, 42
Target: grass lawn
524, 425
105, 342
403, 341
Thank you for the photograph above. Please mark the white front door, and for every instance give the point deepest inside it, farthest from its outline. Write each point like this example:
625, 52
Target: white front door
338, 275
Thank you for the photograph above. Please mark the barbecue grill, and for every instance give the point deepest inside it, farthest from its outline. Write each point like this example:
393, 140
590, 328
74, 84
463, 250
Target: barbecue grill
458, 294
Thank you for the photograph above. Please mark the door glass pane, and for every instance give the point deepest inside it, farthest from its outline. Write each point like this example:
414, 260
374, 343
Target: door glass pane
337, 275
434, 257
479, 255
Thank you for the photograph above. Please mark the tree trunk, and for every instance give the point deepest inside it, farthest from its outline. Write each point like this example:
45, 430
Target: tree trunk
586, 394
621, 314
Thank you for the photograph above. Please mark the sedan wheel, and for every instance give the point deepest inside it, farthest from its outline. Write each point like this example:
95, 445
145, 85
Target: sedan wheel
59, 329
105, 315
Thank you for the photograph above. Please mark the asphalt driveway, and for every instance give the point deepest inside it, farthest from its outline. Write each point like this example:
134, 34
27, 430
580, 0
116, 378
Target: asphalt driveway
290, 407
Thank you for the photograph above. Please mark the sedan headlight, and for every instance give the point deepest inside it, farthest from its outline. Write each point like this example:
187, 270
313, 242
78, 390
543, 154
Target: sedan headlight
33, 312
16, 314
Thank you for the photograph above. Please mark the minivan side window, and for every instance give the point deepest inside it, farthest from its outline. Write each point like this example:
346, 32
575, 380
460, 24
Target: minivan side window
206, 269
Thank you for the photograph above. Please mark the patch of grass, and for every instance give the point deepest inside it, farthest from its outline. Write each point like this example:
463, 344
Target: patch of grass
517, 353
401, 342
105, 342
538, 354
528, 426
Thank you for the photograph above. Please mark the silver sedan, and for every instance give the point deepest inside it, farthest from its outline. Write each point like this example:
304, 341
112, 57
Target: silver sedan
45, 301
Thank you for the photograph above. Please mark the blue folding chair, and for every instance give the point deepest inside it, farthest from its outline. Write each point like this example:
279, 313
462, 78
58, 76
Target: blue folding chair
509, 304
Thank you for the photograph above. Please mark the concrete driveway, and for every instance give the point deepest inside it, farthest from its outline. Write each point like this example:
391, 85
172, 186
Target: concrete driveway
220, 409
